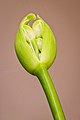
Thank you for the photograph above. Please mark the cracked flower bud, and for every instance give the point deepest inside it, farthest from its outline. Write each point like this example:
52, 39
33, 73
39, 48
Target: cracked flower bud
35, 44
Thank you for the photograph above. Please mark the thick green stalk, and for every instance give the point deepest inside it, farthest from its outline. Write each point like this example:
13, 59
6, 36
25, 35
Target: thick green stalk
50, 92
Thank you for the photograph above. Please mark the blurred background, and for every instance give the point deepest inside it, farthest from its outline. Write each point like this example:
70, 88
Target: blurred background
21, 95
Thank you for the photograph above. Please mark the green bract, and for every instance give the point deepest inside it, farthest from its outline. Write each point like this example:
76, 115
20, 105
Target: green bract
35, 44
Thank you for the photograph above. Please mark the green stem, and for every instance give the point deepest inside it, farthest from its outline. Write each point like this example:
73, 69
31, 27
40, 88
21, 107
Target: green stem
50, 92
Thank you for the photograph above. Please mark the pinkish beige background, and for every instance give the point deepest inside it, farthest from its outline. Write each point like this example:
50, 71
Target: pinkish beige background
21, 95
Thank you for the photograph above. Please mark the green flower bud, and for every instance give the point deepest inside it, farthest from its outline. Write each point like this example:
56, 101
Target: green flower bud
35, 44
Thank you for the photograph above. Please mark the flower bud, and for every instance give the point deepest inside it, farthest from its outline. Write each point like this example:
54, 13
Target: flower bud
35, 44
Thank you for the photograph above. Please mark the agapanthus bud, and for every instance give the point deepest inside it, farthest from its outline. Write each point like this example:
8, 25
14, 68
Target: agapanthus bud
35, 44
